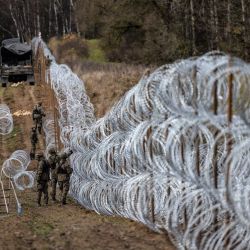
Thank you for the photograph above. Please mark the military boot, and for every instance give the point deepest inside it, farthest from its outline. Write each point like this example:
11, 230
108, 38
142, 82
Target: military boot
46, 199
39, 196
64, 201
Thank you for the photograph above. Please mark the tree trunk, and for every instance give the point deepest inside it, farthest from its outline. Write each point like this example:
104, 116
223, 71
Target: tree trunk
229, 28
212, 25
216, 23
56, 19
50, 24
187, 18
75, 18
25, 23
194, 50
38, 17
70, 14
14, 20
243, 17
28, 20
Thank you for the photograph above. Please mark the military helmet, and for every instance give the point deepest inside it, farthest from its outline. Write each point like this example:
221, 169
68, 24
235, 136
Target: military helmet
52, 151
40, 103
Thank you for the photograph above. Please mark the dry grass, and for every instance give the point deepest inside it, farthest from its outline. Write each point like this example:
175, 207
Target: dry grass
106, 85
105, 82
69, 48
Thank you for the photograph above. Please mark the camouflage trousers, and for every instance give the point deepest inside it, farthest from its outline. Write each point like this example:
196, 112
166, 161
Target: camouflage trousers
64, 189
33, 150
53, 186
38, 125
42, 188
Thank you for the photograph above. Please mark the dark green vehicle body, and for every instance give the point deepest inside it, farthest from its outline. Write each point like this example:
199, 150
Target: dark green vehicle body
16, 62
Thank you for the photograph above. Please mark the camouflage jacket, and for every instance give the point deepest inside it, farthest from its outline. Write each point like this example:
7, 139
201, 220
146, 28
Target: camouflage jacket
38, 113
64, 171
53, 160
43, 171
33, 137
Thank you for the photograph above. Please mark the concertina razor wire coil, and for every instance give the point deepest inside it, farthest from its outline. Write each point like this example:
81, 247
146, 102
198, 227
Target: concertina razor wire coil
6, 120
15, 167
169, 154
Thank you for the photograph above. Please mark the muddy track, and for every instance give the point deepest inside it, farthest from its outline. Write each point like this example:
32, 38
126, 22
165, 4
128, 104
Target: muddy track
55, 226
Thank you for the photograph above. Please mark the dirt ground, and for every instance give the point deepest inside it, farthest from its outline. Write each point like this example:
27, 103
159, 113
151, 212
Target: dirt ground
73, 227
56, 226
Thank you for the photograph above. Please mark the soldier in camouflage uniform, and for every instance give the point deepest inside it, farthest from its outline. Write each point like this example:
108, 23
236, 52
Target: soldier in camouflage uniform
42, 178
48, 61
64, 172
33, 140
53, 161
37, 116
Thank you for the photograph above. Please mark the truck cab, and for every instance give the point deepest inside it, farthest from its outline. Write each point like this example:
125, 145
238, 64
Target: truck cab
16, 63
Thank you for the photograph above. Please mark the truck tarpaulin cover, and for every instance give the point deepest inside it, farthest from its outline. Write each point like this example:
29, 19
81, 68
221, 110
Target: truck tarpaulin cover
13, 45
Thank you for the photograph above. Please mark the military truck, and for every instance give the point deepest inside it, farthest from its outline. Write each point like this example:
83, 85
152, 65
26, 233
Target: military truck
16, 62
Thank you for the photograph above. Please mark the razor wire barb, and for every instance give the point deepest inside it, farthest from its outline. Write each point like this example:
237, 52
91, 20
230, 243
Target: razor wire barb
173, 153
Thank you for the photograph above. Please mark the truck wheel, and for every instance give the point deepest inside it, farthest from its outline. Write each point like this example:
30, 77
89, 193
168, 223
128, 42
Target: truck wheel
4, 84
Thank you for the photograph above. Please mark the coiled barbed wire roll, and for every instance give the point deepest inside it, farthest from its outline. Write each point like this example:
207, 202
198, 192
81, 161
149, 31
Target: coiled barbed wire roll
238, 184
24, 180
189, 87
152, 157
49, 130
6, 120
15, 167
17, 162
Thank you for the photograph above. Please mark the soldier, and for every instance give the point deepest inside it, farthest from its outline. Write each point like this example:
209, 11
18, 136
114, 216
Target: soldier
53, 161
33, 140
48, 61
42, 178
64, 172
37, 116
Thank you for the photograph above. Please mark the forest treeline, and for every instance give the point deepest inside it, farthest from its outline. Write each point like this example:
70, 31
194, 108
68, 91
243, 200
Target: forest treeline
136, 31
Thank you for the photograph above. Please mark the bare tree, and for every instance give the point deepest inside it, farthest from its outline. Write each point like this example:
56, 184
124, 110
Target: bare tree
194, 51
14, 18
73, 12
243, 17
229, 28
